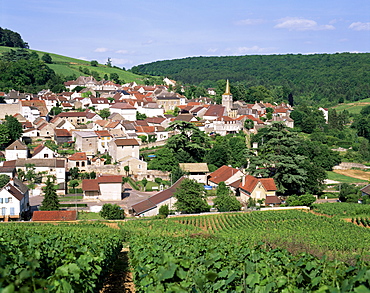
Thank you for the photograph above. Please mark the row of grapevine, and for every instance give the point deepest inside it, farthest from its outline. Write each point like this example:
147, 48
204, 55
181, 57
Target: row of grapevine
361, 221
184, 264
342, 209
56, 258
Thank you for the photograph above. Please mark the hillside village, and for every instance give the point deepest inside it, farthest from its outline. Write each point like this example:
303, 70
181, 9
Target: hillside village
111, 146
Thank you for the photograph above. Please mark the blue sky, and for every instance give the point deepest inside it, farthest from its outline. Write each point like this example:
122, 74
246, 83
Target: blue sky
136, 31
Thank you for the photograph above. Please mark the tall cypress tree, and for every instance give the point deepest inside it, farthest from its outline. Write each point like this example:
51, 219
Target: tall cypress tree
50, 201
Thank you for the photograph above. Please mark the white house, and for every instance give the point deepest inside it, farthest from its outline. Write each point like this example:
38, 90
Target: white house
43, 152
121, 148
125, 110
14, 200
103, 188
16, 150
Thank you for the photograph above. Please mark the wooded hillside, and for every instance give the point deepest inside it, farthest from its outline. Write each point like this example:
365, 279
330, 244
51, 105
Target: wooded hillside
325, 78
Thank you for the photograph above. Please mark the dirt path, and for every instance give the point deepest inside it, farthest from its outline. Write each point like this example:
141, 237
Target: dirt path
120, 279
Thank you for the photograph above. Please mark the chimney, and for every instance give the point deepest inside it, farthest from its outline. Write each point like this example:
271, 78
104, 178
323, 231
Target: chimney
11, 181
243, 180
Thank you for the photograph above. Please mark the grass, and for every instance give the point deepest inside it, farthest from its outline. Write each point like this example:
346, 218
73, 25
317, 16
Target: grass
353, 107
70, 198
343, 179
67, 66
89, 216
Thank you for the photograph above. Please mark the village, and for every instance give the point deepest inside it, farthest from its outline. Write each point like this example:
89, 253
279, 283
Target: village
135, 118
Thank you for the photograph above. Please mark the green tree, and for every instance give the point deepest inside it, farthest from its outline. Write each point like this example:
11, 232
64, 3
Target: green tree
74, 173
301, 200
140, 116
112, 212
55, 111
4, 136
14, 127
165, 160
127, 170
191, 197
47, 58
114, 77
94, 63
144, 182
225, 201
50, 201
73, 184
4, 179
104, 113
349, 192
248, 124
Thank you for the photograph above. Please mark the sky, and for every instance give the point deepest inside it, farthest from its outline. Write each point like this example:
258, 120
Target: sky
137, 32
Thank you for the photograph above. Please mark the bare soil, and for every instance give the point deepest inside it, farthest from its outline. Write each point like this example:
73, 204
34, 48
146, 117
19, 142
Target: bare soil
120, 279
359, 174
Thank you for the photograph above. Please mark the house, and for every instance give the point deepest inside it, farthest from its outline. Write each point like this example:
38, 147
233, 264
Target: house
86, 141
151, 206
43, 152
169, 101
365, 190
103, 188
195, 171
104, 139
121, 148
14, 200
258, 189
127, 111
16, 150
78, 160
62, 136
136, 166
224, 125
226, 174
214, 111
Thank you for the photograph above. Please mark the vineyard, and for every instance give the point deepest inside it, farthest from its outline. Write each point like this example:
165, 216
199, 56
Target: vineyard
289, 251
49, 258
269, 251
342, 209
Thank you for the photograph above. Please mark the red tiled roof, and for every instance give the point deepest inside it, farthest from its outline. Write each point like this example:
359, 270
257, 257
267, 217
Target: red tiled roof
54, 216
37, 149
102, 133
90, 185
215, 110
62, 132
110, 179
272, 199
250, 183
81, 156
122, 106
222, 174
126, 142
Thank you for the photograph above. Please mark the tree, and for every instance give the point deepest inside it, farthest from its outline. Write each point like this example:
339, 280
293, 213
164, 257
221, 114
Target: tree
349, 192
127, 169
50, 201
4, 136
225, 201
73, 184
4, 179
144, 182
140, 116
109, 62
47, 58
55, 111
248, 124
112, 212
14, 127
301, 200
74, 172
104, 113
94, 63
92, 175
114, 77
191, 197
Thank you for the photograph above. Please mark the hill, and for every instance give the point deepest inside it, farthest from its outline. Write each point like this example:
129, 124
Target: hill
327, 79
72, 67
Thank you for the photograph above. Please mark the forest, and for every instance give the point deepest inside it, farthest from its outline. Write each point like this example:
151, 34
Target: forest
324, 79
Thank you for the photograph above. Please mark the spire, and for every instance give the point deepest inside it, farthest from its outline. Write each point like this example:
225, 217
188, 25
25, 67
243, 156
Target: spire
227, 91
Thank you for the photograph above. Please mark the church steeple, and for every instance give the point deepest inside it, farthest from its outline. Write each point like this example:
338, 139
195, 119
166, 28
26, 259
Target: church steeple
227, 98
227, 91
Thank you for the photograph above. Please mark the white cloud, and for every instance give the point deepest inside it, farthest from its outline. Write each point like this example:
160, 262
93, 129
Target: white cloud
82, 58
360, 26
101, 50
301, 24
148, 42
118, 61
254, 49
212, 50
249, 21
122, 51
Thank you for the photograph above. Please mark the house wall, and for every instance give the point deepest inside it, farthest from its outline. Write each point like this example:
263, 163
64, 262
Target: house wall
127, 151
46, 153
153, 212
10, 208
137, 167
258, 193
103, 144
110, 191
89, 145
15, 154
128, 114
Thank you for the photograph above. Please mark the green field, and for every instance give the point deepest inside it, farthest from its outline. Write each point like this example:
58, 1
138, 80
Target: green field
342, 178
68, 66
353, 107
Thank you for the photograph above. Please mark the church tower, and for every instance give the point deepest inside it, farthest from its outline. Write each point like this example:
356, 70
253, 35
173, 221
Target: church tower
227, 98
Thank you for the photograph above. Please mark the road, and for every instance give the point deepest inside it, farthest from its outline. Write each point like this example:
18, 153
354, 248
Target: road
130, 197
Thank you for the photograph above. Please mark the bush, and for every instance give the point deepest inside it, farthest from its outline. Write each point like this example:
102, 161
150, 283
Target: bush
112, 212
164, 211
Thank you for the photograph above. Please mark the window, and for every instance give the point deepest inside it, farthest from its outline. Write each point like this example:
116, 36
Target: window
12, 211
82, 164
1, 200
77, 164
3, 211
6, 199
10, 199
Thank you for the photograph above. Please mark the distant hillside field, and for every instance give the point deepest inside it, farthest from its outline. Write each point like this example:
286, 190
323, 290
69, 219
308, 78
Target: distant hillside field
67, 66
326, 78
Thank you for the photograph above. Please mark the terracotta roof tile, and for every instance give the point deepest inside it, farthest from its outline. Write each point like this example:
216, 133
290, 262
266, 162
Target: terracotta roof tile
81, 156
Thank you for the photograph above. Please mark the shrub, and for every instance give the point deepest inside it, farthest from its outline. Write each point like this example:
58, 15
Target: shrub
164, 211
112, 212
